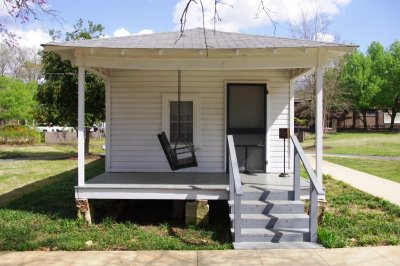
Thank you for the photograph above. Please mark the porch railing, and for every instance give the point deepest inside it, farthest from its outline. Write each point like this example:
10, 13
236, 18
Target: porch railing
316, 188
235, 189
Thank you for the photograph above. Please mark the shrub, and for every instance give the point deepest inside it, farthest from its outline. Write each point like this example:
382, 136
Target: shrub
13, 134
300, 122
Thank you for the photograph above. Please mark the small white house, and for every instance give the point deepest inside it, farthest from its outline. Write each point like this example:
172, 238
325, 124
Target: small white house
231, 84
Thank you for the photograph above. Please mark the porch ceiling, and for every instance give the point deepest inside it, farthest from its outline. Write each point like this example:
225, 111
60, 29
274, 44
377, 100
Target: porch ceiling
193, 59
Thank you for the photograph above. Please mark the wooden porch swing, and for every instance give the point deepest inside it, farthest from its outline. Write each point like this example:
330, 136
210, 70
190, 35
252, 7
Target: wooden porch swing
176, 156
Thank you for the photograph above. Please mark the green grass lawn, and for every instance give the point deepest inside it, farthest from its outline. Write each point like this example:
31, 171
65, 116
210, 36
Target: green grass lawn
354, 218
45, 219
40, 214
382, 168
20, 177
363, 143
47, 150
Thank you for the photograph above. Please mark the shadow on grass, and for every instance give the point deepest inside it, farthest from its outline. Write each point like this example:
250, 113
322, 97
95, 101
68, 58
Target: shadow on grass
39, 155
159, 213
53, 196
44, 218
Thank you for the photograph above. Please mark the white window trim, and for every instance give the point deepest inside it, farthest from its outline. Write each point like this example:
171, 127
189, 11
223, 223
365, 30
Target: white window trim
193, 97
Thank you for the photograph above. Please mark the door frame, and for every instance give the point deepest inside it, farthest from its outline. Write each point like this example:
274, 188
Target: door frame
251, 131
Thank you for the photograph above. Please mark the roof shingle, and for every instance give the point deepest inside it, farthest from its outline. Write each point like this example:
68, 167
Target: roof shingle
194, 39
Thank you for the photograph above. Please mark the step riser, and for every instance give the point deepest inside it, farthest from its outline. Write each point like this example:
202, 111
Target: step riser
275, 238
275, 223
283, 220
267, 195
272, 209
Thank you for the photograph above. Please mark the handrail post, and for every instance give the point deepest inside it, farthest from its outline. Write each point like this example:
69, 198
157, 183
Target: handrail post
237, 218
313, 213
231, 181
236, 190
316, 188
296, 175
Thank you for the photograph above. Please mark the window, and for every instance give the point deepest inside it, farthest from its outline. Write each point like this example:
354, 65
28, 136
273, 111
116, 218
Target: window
190, 117
186, 121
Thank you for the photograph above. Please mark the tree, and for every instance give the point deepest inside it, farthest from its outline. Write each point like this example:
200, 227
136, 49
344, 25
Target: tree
22, 11
314, 26
21, 63
17, 99
335, 99
386, 73
58, 95
6, 59
357, 78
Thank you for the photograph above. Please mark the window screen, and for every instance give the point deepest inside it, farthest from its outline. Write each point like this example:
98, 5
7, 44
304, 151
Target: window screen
186, 121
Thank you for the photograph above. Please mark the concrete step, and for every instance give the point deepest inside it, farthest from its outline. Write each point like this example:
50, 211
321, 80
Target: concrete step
282, 245
267, 195
270, 207
273, 220
277, 235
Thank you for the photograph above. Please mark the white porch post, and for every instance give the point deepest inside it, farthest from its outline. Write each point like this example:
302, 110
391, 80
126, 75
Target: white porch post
318, 123
291, 123
81, 126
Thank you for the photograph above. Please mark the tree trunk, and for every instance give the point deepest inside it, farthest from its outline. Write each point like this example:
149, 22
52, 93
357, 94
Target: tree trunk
392, 118
354, 115
87, 138
364, 114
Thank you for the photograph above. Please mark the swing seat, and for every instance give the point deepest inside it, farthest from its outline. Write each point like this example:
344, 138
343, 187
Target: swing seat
172, 154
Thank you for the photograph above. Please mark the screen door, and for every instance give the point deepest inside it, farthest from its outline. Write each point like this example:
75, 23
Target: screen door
247, 123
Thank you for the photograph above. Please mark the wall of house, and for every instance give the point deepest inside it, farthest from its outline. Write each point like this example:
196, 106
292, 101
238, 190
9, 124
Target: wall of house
136, 116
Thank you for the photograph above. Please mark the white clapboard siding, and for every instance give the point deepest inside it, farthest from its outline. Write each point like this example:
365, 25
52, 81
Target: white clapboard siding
136, 116
277, 117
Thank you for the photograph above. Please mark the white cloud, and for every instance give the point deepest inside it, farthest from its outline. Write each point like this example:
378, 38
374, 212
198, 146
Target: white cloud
238, 15
145, 31
121, 32
3, 9
325, 37
31, 38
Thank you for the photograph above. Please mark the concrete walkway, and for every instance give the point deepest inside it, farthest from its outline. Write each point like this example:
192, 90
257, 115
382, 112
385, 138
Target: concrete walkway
374, 185
356, 156
347, 256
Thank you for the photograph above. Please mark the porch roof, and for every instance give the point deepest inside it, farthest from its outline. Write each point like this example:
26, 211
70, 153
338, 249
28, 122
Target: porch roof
195, 39
191, 51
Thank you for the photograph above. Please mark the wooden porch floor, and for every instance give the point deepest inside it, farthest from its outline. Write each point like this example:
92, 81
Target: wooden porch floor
190, 186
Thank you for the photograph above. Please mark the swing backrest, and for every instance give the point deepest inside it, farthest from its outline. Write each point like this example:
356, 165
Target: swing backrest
172, 158
172, 155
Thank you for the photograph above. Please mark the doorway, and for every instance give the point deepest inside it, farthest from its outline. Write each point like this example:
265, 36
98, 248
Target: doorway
246, 121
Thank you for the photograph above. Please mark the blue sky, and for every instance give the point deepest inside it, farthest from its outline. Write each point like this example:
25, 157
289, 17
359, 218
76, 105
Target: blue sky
355, 21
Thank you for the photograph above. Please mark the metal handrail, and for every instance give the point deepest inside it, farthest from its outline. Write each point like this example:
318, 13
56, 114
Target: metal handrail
235, 188
235, 166
307, 166
316, 188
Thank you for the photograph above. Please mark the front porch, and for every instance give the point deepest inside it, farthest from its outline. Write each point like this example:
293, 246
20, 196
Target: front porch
179, 186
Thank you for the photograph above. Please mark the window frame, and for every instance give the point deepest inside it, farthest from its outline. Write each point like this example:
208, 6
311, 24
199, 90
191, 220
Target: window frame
192, 97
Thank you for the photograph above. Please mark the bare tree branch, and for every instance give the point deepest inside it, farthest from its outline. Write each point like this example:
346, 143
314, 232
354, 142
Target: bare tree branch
22, 11
263, 9
204, 26
183, 20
